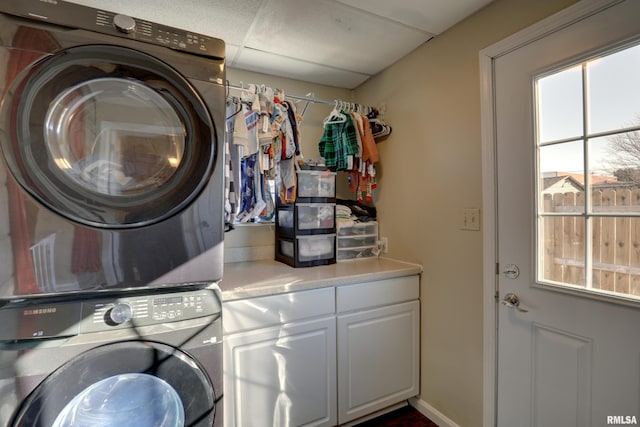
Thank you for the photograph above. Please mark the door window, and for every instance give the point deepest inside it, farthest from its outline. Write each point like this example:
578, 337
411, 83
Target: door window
588, 169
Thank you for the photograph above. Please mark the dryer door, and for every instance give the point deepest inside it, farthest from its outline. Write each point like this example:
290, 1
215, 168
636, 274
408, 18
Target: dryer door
134, 383
108, 136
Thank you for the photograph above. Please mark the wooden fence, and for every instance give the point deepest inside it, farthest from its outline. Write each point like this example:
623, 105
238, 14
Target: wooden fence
615, 240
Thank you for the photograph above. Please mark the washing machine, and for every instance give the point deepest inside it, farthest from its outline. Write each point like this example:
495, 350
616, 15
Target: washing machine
140, 360
111, 140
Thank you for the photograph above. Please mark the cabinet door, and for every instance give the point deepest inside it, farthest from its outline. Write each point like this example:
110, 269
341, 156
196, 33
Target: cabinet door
378, 359
281, 376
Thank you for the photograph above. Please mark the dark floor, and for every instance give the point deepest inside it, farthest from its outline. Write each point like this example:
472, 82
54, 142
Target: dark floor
403, 417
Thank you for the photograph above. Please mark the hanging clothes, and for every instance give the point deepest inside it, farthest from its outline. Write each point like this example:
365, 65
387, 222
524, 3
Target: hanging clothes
263, 134
339, 144
348, 144
232, 165
293, 122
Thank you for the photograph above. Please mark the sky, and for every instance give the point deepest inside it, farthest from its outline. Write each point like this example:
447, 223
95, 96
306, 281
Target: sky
613, 102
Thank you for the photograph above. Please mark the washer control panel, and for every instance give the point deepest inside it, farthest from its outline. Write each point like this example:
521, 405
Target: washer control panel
28, 320
148, 310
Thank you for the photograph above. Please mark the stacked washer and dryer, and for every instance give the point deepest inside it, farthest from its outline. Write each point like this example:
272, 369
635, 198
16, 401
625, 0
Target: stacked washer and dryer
111, 219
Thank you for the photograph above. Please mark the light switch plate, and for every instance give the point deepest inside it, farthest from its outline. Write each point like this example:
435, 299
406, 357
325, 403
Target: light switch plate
471, 219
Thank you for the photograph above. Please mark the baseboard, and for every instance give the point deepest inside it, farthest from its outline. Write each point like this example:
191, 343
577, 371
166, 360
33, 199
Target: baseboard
432, 413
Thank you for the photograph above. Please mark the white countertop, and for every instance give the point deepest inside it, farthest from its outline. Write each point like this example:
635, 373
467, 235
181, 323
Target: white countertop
269, 277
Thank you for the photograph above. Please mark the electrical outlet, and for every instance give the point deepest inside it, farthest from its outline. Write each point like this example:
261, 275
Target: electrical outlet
384, 245
471, 219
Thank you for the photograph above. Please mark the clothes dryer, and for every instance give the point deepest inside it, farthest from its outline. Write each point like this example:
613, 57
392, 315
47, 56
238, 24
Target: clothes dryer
140, 360
111, 133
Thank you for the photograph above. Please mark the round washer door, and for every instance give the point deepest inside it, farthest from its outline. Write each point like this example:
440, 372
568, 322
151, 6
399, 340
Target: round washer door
131, 383
108, 136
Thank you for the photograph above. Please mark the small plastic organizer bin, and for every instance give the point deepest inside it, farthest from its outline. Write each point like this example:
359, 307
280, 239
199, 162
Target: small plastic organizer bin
307, 218
357, 241
316, 184
307, 251
306, 229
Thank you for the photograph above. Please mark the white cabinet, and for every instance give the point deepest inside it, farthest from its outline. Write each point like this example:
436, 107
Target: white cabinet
280, 360
321, 357
378, 345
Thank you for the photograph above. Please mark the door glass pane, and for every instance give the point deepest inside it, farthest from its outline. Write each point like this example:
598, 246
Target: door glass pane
115, 136
562, 183
613, 86
590, 241
562, 252
614, 162
559, 98
616, 255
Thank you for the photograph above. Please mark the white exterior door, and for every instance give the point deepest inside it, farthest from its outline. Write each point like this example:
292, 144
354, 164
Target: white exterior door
573, 357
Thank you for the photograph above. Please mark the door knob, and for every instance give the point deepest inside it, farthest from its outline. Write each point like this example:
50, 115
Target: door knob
512, 301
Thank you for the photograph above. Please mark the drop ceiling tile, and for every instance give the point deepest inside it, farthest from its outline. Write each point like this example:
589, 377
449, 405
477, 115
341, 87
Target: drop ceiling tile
432, 16
268, 63
230, 52
328, 32
226, 19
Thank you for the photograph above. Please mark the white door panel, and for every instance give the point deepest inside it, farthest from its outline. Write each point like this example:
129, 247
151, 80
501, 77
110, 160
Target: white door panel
571, 359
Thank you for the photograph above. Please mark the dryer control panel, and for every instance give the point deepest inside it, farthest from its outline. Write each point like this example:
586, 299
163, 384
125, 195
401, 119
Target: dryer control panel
103, 21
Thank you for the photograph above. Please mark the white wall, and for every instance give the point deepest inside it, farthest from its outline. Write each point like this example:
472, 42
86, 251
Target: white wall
430, 172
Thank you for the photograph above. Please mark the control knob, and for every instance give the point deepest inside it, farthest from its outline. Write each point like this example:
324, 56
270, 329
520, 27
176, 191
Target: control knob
120, 313
124, 23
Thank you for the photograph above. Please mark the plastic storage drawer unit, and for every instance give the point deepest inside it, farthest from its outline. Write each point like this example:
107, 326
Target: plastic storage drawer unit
307, 218
357, 241
359, 229
307, 251
313, 184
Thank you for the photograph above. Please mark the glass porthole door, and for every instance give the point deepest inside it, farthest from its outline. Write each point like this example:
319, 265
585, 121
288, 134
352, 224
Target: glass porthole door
129, 383
108, 136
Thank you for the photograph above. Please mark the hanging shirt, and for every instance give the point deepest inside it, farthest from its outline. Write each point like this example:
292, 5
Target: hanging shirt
369, 148
252, 118
348, 144
240, 131
339, 144
327, 146
232, 166
291, 114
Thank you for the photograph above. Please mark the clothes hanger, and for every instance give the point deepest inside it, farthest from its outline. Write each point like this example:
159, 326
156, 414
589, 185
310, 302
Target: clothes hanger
335, 116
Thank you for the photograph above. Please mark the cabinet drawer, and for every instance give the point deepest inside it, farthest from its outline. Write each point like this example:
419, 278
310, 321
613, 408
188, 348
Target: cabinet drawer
255, 313
382, 292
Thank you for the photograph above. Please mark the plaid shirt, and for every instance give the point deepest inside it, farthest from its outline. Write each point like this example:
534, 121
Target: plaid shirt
338, 142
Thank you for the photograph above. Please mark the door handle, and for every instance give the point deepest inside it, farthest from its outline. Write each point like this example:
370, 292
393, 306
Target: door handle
512, 301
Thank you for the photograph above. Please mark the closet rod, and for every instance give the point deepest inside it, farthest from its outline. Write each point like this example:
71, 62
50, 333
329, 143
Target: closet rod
296, 97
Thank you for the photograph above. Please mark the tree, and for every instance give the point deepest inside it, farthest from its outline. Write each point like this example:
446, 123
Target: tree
623, 156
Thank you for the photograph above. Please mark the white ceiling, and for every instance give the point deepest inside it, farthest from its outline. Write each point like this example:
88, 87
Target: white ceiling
333, 42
